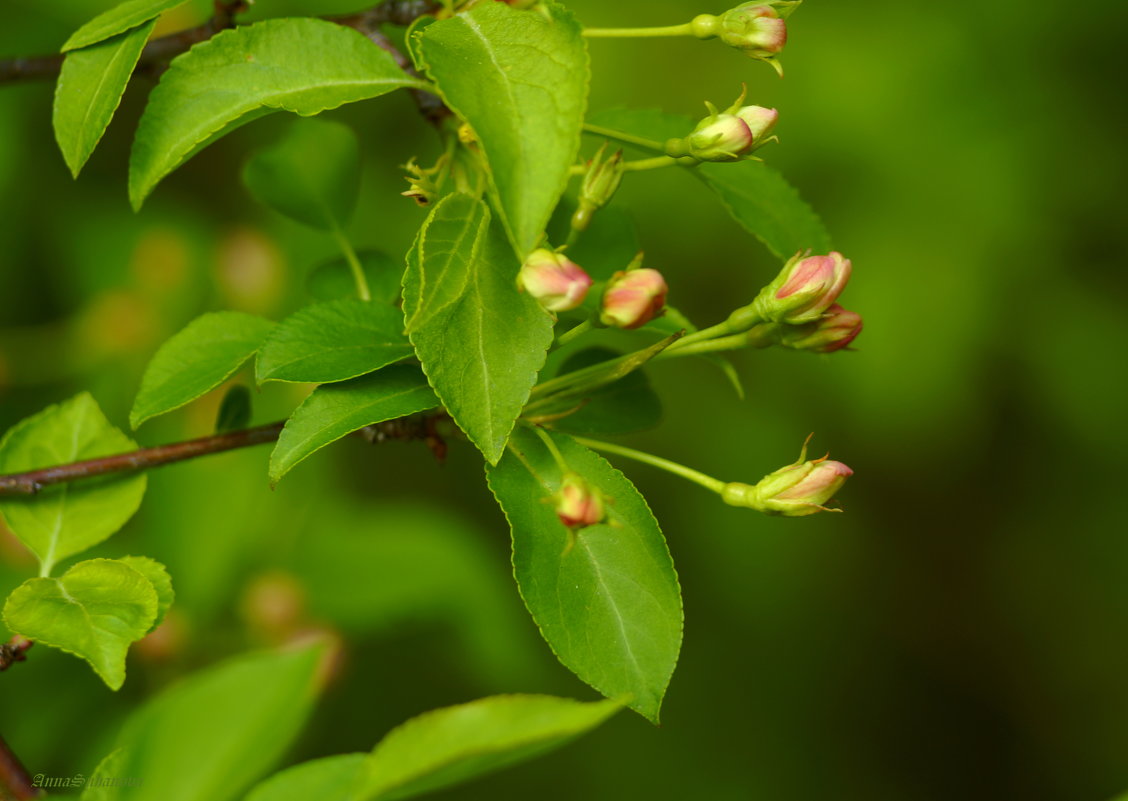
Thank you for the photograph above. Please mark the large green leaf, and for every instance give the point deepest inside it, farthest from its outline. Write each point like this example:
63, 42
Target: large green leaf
215, 733
328, 779
65, 519
94, 610
312, 175
301, 65
520, 79
197, 360
334, 410
118, 19
89, 90
448, 746
442, 257
333, 341
482, 349
605, 598
158, 576
753, 193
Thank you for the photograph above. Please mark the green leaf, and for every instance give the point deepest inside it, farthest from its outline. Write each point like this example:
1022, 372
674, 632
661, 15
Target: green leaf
442, 257
520, 79
312, 175
213, 734
328, 779
481, 350
109, 768
754, 194
629, 404
606, 598
118, 19
333, 280
334, 410
90, 86
448, 746
333, 341
197, 360
94, 611
301, 65
158, 576
65, 519
234, 410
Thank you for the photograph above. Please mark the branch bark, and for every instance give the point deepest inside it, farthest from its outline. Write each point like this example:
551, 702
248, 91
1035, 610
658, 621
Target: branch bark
15, 781
158, 52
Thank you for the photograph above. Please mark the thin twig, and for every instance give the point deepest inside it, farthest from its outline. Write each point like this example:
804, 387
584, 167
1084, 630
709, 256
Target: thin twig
158, 52
15, 781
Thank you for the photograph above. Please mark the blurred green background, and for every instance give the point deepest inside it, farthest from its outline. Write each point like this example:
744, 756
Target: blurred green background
958, 633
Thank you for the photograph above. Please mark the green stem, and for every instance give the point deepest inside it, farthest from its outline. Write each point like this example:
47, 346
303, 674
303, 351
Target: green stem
626, 138
639, 33
573, 332
557, 456
354, 264
697, 477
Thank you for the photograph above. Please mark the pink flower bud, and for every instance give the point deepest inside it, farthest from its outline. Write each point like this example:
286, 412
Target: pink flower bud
800, 489
722, 137
760, 121
633, 298
578, 503
557, 283
836, 329
755, 28
804, 289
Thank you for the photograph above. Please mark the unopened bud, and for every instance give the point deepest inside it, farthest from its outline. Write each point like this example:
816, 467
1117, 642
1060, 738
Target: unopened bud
760, 121
757, 28
800, 489
633, 298
804, 289
836, 329
578, 503
601, 181
557, 283
718, 137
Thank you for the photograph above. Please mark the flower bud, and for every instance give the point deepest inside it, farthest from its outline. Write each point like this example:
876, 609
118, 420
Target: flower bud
797, 490
718, 137
600, 183
557, 283
804, 289
578, 503
836, 329
760, 121
633, 298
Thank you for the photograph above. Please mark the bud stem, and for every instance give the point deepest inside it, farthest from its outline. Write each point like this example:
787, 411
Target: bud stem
354, 264
626, 138
548, 443
708, 482
633, 166
756, 337
573, 332
639, 33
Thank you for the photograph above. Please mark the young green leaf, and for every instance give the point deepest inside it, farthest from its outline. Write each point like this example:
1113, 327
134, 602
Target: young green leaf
520, 79
629, 404
606, 598
94, 611
117, 20
451, 745
65, 519
90, 86
442, 257
158, 576
754, 194
197, 360
482, 349
328, 779
334, 410
215, 733
301, 65
333, 280
109, 767
333, 341
312, 175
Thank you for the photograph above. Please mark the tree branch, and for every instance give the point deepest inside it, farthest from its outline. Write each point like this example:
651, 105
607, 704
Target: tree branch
158, 52
15, 650
15, 781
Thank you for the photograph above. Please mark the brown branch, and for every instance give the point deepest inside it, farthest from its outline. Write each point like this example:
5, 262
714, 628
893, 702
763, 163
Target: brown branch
15, 781
15, 650
158, 52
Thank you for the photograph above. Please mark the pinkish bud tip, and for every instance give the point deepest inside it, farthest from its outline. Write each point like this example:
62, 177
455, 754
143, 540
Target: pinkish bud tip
633, 298
804, 289
557, 283
578, 503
